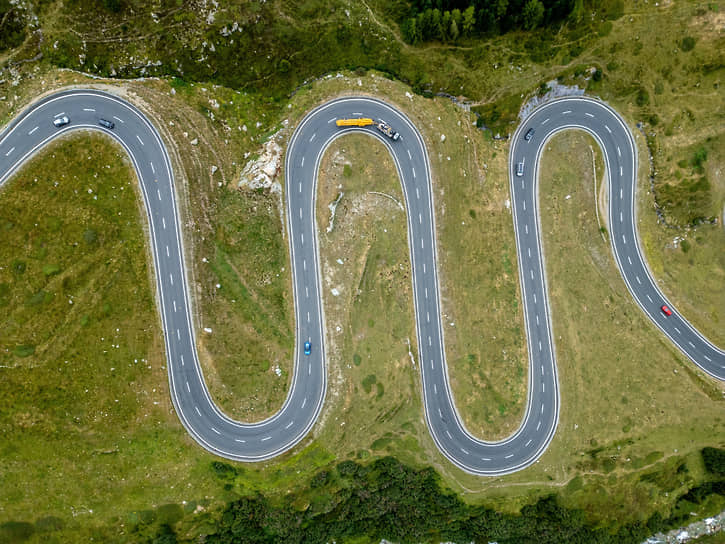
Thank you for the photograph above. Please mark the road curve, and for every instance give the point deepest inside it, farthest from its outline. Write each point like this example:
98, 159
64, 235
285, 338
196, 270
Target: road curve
255, 442
219, 434
620, 156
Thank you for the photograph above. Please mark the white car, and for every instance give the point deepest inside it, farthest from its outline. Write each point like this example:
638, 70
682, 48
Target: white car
60, 121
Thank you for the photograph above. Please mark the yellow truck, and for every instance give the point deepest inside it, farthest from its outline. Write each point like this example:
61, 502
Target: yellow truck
359, 122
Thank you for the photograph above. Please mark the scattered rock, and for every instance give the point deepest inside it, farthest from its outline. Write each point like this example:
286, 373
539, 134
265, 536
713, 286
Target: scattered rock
262, 172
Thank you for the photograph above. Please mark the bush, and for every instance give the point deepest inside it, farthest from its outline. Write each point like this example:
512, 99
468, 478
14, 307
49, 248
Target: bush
51, 269
90, 236
642, 97
714, 459
387, 499
24, 350
12, 26
368, 382
687, 43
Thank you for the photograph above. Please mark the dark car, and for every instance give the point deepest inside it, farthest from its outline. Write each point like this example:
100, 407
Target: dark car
308, 348
666, 310
108, 124
529, 134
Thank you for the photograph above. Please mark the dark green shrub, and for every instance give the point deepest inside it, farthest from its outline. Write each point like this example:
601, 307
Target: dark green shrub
687, 43
714, 459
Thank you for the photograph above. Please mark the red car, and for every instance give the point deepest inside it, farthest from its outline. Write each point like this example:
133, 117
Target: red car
666, 310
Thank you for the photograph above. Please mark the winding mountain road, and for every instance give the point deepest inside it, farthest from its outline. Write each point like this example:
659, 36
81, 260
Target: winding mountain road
254, 442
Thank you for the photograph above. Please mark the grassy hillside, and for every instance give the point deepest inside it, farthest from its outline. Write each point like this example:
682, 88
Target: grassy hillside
624, 448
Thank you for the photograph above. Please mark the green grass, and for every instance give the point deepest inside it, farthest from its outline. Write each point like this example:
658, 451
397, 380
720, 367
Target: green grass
690, 262
717, 538
677, 97
91, 443
373, 398
599, 331
248, 313
632, 435
88, 428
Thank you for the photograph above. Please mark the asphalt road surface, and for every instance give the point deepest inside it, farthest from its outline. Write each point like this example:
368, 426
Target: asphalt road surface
254, 442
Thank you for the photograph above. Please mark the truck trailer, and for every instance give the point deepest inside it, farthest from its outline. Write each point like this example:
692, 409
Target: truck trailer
359, 122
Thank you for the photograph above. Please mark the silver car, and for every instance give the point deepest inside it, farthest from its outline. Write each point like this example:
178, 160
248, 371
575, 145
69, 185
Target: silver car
60, 121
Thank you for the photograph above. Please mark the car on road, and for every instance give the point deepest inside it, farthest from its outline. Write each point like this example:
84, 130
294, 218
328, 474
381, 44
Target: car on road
520, 169
387, 130
308, 348
666, 310
60, 121
529, 134
108, 124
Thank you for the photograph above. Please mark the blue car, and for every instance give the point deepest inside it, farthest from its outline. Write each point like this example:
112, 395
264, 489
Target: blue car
308, 348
